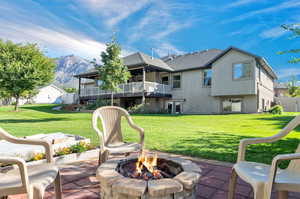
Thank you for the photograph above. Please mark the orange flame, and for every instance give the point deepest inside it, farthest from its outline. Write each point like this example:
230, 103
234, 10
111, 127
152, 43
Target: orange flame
147, 161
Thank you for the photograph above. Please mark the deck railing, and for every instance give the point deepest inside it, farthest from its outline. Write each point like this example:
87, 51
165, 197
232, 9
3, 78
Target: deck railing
133, 87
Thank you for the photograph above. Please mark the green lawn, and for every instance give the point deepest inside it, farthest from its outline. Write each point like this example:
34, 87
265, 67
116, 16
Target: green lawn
207, 136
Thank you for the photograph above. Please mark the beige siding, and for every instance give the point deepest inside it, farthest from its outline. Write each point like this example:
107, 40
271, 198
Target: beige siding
222, 76
265, 86
250, 104
195, 97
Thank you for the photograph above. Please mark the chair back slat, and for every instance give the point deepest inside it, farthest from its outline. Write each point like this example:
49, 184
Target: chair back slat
111, 122
295, 164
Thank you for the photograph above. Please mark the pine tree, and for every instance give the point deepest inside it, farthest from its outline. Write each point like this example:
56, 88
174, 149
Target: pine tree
112, 72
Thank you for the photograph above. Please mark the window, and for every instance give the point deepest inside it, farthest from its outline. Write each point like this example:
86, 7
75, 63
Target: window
165, 80
170, 107
176, 81
207, 77
177, 107
99, 82
232, 105
242, 71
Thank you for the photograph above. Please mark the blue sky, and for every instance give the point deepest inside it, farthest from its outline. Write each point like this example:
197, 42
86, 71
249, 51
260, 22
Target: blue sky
82, 27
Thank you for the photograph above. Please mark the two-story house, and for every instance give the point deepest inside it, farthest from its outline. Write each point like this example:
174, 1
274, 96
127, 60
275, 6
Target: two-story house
207, 82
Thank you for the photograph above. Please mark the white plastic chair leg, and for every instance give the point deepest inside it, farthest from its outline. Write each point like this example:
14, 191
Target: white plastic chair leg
57, 186
283, 194
259, 192
232, 184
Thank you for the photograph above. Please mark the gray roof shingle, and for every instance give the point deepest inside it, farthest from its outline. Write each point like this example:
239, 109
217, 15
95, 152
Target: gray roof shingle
193, 60
143, 59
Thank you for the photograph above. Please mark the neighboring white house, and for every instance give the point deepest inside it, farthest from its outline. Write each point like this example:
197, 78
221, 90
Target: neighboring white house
50, 94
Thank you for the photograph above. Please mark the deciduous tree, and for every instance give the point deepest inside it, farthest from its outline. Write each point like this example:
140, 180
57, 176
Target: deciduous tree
296, 33
23, 68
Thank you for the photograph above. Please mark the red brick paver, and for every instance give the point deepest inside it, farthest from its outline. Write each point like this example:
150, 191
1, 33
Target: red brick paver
79, 181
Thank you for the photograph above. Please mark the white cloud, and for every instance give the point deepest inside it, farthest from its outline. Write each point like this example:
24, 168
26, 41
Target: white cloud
160, 20
114, 10
164, 49
273, 33
288, 72
276, 8
46, 29
51, 40
240, 3
171, 28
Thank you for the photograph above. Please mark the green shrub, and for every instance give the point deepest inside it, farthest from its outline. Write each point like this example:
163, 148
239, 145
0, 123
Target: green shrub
276, 110
98, 103
144, 109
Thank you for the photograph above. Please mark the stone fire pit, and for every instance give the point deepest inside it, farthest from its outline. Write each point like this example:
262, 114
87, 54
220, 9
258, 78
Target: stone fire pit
114, 185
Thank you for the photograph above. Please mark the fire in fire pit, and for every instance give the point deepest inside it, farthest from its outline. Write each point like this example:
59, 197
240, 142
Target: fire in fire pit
148, 167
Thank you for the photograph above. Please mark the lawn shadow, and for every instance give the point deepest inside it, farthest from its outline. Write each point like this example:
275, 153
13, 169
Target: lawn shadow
33, 120
280, 121
224, 147
48, 109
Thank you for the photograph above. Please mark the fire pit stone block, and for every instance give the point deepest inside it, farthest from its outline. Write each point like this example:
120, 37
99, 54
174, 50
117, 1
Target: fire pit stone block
129, 186
188, 179
163, 187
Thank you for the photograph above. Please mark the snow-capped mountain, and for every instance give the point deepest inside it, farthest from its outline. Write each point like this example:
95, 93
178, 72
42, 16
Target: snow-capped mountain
67, 67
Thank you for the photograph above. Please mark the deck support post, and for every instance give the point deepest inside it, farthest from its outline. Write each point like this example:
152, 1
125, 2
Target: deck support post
79, 87
144, 79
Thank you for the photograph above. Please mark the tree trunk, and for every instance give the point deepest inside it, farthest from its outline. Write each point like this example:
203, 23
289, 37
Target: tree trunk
112, 99
17, 103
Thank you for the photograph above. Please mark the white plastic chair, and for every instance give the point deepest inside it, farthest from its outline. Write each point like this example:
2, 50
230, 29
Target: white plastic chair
264, 177
111, 139
31, 180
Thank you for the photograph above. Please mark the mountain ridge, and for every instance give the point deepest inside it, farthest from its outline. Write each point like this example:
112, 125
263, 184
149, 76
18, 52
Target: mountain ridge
67, 66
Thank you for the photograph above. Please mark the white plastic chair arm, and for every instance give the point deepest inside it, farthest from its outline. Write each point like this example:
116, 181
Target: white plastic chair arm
286, 130
137, 128
48, 148
22, 167
273, 170
44, 143
99, 133
245, 142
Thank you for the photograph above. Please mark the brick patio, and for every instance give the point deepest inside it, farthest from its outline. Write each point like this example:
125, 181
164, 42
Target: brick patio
79, 181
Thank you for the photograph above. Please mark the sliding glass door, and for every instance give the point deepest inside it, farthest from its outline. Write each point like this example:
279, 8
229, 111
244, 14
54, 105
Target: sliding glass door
232, 105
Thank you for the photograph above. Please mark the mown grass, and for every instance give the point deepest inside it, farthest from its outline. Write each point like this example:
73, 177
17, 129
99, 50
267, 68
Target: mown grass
206, 136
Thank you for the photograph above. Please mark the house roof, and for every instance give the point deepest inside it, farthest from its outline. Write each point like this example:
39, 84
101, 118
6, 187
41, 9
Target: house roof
134, 60
260, 60
192, 60
54, 86
138, 59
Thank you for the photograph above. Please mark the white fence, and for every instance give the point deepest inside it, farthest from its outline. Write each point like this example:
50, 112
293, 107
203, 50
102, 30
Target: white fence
133, 87
69, 98
290, 104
